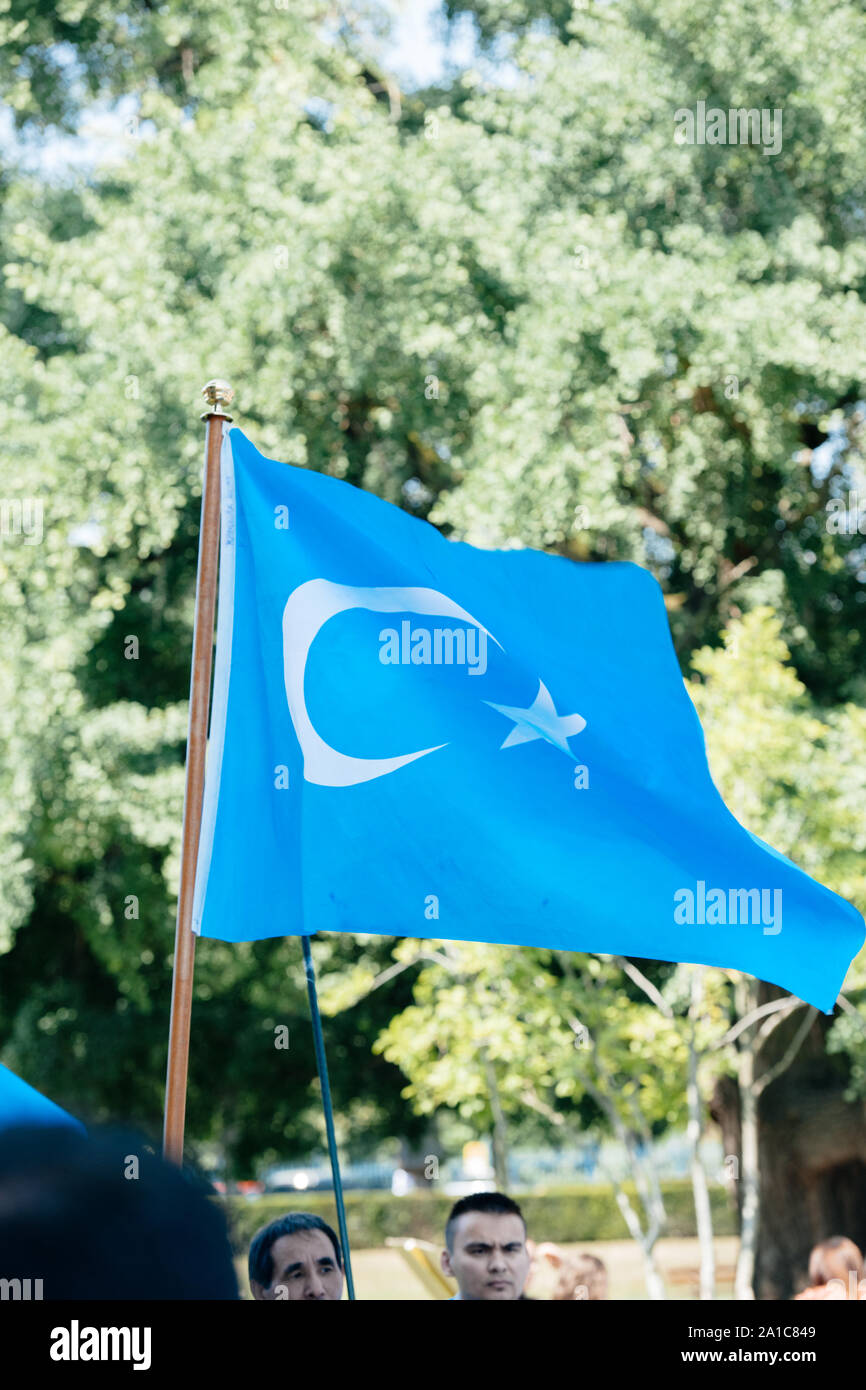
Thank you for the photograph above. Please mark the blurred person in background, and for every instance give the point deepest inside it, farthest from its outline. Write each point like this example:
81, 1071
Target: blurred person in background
835, 1271
486, 1251
100, 1215
297, 1257
580, 1277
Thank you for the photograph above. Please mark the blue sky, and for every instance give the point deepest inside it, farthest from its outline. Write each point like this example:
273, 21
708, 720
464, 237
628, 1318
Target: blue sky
417, 54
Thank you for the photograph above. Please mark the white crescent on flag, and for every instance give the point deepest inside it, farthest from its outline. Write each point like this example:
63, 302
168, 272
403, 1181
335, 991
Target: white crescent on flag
308, 609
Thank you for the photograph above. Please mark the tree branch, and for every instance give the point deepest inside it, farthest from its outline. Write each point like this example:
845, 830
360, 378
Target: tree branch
789, 1001
531, 1098
649, 989
788, 1056
769, 1026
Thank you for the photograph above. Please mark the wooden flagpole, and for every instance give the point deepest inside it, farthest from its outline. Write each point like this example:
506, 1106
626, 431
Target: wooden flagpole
219, 396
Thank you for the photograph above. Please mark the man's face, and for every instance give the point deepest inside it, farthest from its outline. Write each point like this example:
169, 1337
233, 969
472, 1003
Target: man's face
304, 1266
489, 1259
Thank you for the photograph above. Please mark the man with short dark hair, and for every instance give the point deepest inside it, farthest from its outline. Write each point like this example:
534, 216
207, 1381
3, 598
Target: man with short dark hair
296, 1257
485, 1238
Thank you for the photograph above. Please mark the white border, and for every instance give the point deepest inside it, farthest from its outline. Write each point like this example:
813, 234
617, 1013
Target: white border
222, 669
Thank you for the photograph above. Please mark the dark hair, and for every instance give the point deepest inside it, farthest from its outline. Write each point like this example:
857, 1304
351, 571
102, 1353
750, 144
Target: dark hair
100, 1215
494, 1203
835, 1259
261, 1265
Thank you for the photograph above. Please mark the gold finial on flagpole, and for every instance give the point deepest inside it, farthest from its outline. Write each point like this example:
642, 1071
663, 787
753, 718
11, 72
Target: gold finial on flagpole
219, 396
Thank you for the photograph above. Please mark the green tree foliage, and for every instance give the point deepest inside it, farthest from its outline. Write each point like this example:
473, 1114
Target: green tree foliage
547, 1022
790, 771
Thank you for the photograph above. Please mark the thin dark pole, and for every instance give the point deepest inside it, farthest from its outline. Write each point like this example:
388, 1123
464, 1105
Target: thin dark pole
322, 1067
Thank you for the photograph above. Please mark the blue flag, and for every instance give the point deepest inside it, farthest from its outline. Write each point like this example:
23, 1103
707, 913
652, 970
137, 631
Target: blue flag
21, 1105
413, 737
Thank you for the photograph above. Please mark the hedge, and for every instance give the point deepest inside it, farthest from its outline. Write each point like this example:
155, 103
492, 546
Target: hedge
562, 1214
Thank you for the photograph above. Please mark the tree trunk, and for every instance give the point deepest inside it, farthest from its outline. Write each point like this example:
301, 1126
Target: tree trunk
500, 1128
813, 1157
703, 1211
646, 1240
811, 1153
750, 1178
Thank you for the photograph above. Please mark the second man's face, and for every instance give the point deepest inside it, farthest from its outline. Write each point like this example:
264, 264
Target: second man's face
489, 1260
305, 1267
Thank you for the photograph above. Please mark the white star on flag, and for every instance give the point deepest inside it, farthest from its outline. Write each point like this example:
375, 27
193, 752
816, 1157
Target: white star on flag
540, 721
